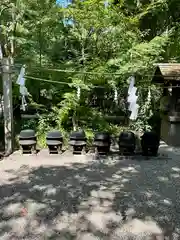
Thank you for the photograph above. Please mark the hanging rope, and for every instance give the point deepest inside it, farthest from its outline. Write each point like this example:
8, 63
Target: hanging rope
98, 86
84, 72
47, 68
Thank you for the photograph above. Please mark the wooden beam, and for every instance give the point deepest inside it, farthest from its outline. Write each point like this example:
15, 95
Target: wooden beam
8, 107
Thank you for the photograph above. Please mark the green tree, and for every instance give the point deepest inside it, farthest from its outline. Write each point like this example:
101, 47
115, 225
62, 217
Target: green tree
123, 38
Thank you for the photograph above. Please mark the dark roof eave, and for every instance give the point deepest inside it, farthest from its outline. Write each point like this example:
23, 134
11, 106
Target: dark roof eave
162, 76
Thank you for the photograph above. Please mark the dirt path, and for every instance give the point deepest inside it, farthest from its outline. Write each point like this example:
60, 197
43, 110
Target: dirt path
63, 197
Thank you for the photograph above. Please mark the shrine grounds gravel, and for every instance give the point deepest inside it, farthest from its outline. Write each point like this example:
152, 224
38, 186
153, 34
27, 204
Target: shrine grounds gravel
79, 197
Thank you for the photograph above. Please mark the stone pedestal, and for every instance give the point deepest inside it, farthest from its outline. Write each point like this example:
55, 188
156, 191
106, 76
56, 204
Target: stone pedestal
170, 130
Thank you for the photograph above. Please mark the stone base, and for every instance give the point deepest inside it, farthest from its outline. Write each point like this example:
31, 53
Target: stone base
170, 131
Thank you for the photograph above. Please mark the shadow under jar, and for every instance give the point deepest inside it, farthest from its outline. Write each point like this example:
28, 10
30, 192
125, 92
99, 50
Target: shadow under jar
78, 142
27, 141
54, 141
102, 143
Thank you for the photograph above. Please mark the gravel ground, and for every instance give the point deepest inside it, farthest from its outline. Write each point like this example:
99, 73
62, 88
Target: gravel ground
75, 197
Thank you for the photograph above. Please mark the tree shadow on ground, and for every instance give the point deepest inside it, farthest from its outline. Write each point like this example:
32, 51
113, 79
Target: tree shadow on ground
67, 202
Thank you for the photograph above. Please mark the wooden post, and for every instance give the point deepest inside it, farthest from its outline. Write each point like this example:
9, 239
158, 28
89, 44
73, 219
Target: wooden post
8, 107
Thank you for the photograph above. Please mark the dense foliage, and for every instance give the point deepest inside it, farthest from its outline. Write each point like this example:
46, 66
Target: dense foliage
113, 40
